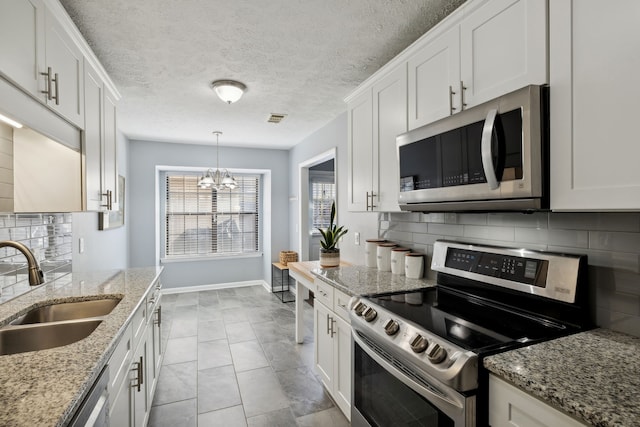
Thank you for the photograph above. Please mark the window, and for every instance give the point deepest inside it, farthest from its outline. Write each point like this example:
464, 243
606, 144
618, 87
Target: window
322, 196
205, 222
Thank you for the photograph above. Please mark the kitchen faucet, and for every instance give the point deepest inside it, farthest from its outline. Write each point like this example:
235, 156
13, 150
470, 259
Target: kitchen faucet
35, 274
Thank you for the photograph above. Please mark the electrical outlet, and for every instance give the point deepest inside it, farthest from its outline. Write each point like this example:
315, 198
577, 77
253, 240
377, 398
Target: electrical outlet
357, 238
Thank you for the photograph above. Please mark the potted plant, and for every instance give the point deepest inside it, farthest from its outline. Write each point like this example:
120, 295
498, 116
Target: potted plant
329, 253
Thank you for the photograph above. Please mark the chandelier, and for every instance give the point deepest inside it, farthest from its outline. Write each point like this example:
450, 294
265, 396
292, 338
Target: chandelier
218, 180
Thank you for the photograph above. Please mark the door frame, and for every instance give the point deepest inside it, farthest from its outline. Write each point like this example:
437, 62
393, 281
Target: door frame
303, 199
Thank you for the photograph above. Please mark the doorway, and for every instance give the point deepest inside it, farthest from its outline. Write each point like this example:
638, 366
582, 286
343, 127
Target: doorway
317, 192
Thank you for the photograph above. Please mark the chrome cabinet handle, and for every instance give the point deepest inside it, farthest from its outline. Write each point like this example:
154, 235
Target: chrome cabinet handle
488, 131
140, 374
372, 195
462, 89
158, 320
367, 200
333, 332
56, 80
328, 323
109, 196
451, 107
47, 91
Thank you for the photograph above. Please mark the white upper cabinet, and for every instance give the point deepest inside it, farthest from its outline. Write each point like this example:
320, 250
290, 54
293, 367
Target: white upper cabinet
38, 54
479, 53
434, 80
65, 62
389, 120
360, 151
503, 47
22, 43
376, 117
593, 62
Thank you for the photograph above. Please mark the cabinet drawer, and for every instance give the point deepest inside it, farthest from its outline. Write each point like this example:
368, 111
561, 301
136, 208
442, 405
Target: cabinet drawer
324, 292
341, 304
119, 362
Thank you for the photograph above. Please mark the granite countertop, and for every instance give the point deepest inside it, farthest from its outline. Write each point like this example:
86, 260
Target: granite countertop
45, 388
358, 280
593, 375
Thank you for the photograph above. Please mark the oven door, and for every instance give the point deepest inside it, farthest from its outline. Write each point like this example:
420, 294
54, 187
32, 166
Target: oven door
386, 393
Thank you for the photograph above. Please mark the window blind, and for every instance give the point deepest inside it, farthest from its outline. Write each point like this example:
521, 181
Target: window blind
322, 195
206, 222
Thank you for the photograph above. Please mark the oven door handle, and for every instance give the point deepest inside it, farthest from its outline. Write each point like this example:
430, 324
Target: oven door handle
442, 401
488, 131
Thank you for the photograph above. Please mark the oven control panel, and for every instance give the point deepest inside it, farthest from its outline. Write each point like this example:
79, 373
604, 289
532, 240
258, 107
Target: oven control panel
407, 341
516, 269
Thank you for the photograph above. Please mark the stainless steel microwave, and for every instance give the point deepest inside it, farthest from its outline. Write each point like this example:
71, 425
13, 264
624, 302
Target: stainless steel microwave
491, 157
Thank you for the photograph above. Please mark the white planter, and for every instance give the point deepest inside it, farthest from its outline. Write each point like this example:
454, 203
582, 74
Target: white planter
329, 259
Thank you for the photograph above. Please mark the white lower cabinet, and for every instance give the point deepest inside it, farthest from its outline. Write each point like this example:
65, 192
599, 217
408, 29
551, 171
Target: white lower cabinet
135, 366
509, 407
332, 352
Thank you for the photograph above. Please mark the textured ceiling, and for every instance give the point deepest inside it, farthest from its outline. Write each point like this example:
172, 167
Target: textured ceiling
297, 57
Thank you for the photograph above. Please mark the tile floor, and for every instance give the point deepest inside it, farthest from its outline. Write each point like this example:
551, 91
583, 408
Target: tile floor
231, 360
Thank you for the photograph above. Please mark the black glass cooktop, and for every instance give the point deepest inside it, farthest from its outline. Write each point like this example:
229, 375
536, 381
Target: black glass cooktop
469, 322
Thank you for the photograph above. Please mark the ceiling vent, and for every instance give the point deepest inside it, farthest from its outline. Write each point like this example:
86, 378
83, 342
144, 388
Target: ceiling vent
276, 118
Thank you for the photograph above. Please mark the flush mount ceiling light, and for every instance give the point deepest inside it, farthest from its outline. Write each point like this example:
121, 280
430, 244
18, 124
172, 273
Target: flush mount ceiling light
218, 180
228, 90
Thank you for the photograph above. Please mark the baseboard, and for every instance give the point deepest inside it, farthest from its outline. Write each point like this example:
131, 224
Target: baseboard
198, 288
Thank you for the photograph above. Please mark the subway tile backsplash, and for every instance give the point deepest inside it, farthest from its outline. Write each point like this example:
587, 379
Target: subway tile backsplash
610, 240
49, 236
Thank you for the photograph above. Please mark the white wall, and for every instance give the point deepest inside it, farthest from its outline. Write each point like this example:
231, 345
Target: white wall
106, 249
334, 134
146, 155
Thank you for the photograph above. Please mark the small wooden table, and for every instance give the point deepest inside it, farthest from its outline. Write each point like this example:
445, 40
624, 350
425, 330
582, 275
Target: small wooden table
280, 279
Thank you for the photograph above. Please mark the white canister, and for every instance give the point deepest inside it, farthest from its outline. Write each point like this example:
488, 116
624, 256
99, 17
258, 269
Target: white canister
371, 252
397, 260
384, 256
414, 265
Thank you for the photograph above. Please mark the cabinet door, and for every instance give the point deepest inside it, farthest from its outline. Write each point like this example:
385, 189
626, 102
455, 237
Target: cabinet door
66, 61
22, 43
342, 365
594, 149
141, 404
323, 344
434, 80
503, 47
110, 150
511, 407
360, 146
93, 137
389, 120
121, 405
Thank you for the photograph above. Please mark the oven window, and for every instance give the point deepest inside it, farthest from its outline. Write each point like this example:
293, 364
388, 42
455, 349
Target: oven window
385, 401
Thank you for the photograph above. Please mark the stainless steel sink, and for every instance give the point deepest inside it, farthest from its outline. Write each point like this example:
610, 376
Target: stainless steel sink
20, 339
67, 311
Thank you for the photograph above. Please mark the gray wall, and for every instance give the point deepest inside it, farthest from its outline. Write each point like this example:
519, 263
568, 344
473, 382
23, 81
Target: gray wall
610, 240
146, 155
334, 134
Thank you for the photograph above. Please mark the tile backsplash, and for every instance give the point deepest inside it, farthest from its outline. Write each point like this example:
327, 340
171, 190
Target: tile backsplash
49, 236
610, 240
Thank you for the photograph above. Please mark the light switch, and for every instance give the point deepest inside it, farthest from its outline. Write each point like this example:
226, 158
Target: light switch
357, 238
81, 245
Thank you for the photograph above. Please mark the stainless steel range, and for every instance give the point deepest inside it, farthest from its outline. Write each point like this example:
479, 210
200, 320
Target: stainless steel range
418, 355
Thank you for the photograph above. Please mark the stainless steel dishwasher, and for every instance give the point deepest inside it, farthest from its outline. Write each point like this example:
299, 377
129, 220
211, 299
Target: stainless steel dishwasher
94, 410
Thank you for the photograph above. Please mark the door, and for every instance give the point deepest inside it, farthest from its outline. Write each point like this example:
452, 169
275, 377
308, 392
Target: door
342, 365
323, 351
22, 44
67, 65
389, 120
503, 47
434, 80
360, 148
594, 149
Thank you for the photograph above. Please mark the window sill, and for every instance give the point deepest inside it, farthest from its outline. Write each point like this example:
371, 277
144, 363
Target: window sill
208, 258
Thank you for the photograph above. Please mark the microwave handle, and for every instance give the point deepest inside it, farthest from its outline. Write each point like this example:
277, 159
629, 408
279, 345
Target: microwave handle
488, 131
